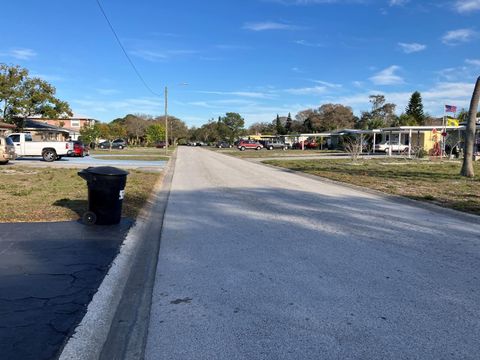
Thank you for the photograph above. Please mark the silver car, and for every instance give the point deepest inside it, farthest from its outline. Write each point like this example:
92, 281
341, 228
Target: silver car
7, 150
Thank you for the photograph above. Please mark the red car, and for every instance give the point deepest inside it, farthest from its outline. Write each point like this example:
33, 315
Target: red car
249, 144
79, 150
308, 144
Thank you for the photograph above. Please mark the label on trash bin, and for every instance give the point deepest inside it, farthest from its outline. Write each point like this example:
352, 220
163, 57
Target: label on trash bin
121, 195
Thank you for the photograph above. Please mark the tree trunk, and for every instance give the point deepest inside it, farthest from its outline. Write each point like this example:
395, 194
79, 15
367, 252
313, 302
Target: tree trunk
470, 129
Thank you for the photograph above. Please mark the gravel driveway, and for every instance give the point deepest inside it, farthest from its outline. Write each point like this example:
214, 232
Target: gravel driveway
259, 263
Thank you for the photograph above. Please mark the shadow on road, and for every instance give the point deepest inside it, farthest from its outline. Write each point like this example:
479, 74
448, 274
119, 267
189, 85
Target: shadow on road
48, 275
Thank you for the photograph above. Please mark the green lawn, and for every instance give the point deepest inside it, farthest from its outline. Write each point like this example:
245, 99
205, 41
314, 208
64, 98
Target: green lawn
133, 157
438, 182
49, 194
264, 153
133, 151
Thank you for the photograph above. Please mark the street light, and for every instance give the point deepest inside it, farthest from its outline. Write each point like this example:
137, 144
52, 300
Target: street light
166, 116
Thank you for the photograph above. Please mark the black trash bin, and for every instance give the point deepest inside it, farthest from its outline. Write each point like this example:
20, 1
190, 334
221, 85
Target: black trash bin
106, 189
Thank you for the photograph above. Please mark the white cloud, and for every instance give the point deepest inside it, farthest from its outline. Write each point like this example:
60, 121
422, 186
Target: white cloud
387, 76
308, 44
316, 2
268, 25
327, 84
474, 62
463, 6
128, 105
454, 37
316, 90
398, 2
434, 98
153, 55
107, 91
248, 94
409, 48
20, 54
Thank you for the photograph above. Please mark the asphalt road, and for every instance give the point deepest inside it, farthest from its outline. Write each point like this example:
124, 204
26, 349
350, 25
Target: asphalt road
48, 275
258, 263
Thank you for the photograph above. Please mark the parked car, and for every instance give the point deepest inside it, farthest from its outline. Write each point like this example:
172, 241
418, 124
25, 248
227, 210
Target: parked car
115, 144
223, 144
79, 149
200, 143
249, 144
161, 145
7, 150
275, 144
48, 150
385, 146
307, 144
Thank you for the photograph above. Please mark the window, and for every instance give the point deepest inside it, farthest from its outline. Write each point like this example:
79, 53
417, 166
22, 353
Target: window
28, 137
75, 123
15, 138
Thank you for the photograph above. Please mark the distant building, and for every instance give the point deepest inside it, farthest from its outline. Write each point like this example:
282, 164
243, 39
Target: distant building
45, 132
73, 124
6, 128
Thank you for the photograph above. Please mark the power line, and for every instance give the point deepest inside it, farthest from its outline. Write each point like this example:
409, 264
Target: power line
125, 52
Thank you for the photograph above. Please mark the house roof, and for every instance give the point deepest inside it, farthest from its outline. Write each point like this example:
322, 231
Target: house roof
40, 126
6, 126
73, 117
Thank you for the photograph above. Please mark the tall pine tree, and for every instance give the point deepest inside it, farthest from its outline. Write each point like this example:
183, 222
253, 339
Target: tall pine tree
415, 108
288, 124
279, 127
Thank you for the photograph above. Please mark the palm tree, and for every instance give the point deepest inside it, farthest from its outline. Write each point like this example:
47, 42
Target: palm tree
467, 168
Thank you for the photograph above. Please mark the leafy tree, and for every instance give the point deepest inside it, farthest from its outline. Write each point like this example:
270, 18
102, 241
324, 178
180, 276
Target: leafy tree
208, 132
463, 115
261, 128
104, 131
327, 117
405, 120
334, 117
90, 134
155, 133
382, 114
135, 126
235, 125
415, 109
23, 96
117, 131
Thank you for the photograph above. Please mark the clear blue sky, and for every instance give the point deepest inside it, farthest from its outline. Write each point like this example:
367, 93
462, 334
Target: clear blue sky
255, 57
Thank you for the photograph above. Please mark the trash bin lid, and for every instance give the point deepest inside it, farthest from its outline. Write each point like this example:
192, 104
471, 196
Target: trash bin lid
106, 170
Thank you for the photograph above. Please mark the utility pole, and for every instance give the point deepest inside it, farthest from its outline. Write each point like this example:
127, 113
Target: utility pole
166, 120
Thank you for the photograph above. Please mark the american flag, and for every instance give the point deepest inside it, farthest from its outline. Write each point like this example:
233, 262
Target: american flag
450, 108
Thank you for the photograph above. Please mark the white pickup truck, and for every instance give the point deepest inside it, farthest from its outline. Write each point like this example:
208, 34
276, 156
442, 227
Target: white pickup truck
48, 150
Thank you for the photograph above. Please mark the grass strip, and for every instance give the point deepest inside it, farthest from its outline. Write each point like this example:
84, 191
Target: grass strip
133, 157
50, 194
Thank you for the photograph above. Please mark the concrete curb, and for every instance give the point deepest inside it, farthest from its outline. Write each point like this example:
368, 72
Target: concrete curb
91, 334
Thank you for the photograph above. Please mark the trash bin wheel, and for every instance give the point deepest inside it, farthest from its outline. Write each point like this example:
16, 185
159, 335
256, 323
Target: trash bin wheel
89, 218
